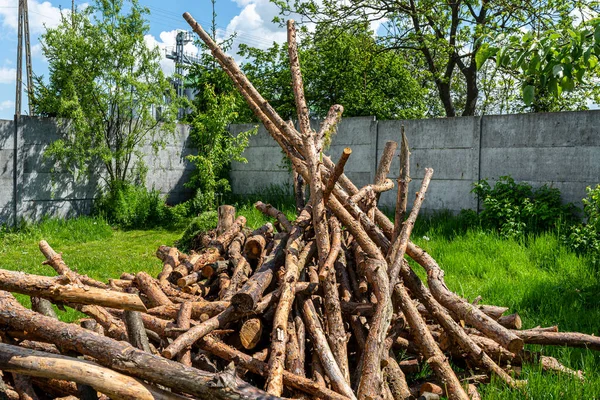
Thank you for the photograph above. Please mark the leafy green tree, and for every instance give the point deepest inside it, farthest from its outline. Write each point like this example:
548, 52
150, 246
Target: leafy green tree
106, 86
446, 36
339, 66
556, 68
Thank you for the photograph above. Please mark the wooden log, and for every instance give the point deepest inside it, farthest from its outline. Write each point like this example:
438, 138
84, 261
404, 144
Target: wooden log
398, 249
223, 240
552, 364
431, 388
151, 288
246, 299
170, 258
218, 321
461, 309
299, 191
336, 246
226, 218
335, 324
279, 338
23, 384
184, 322
372, 190
225, 352
216, 268
114, 384
403, 181
472, 392
113, 327
199, 308
257, 241
122, 357
323, 350
371, 378
467, 343
328, 127
512, 321
250, 333
136, 332
186, 265
570, 339
385, 162
58, 290
272, 212
427, 345
396, 379
337, 172
55, 260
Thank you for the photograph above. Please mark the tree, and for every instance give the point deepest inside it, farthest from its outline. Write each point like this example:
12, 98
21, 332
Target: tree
551, 64
447, 36
106, 86
339, 66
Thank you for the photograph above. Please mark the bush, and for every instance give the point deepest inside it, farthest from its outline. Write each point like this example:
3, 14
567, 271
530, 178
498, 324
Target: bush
515, 209
132, 206
584, 238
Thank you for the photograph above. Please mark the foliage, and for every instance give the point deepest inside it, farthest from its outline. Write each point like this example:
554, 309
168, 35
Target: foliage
445, 37
550, 63
132, 206
217, 147
585, 237
104, 86
339, 66
515, 209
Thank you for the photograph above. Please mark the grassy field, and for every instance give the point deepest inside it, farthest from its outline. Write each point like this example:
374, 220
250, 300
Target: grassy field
536, 277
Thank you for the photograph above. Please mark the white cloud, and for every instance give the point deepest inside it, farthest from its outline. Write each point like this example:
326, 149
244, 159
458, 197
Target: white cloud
8, 75
6, 105
40, 14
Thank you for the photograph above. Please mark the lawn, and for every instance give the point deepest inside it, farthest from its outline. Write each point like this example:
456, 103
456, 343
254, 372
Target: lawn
535, 276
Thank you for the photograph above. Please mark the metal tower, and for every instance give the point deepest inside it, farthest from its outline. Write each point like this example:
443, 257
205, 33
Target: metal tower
23, 31
180, 57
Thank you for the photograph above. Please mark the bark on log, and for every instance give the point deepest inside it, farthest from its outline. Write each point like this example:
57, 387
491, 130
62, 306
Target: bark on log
122, 357
427, 345
460, 308
136, 332
170, 258
385, 162
337, 172
43, 307
403, 182
226, 218
272, 212
570, 339
323, 351
58, 289
114, 384
183, 322
150, 287
246, 299
512, 321
220, 349
257, 241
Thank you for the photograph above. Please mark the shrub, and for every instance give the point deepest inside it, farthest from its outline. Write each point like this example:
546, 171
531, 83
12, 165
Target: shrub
584, 238
133, 206
515, 209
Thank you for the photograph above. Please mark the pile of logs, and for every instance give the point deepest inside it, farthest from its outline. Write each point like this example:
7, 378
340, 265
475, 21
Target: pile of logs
323, 306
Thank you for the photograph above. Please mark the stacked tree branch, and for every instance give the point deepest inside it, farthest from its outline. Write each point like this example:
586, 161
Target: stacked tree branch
324, 305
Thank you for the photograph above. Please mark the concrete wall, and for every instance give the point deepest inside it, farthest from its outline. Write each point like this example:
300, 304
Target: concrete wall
560, 149
32, 190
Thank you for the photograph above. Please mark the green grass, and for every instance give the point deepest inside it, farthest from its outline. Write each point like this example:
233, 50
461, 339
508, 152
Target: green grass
536, 277
88, 245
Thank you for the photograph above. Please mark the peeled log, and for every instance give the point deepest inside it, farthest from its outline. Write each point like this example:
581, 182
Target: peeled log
60, 289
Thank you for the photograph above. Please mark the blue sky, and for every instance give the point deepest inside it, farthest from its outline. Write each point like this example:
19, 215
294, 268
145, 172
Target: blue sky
250, 19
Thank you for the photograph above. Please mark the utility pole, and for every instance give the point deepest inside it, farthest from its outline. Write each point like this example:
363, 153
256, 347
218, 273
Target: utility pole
23, 27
